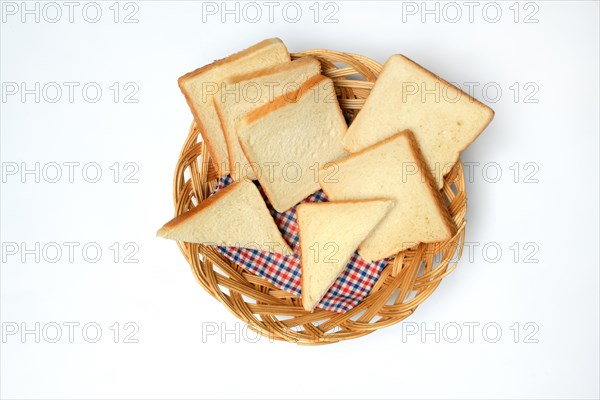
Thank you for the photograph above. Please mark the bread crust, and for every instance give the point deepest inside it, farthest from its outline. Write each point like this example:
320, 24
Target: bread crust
422, 166
258, 174
302, 258
266, 109
298, 63
226, 133
282, 101
228, 59
326, 203
446, 83
236, 79
301, 246
219, 164
471, 98
206, 203
209, 145
431, 183
180, 219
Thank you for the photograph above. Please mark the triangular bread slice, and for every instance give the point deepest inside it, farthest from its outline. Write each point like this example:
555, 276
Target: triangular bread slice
200, 85
330, 233
244, 93
234, 216
290, 138
392, 169
444, 119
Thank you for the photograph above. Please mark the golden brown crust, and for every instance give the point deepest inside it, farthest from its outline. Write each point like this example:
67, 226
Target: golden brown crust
471, 98
257, 173
175, 222
421, 165
340, 114
282, 101
322, 204
262, 111
228, 59
302, 257
446, 83
202, 129
219, 164
361, 151
430, 182
227, 136
325, 203
275, 69
180, 219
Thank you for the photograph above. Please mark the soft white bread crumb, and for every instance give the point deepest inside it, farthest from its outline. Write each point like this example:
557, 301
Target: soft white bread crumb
444, 119
200, 85
290, 138
244, 93
392, 169
330, 233
234, 216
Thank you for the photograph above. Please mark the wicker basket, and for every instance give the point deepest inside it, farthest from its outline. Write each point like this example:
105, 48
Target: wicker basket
405, 282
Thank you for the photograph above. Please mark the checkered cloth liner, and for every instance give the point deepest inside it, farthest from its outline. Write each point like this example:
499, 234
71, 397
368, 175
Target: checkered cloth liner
353, 285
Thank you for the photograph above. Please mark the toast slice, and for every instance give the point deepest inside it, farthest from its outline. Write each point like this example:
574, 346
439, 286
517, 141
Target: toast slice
444, 119
392, 169
290, 138
330, 233
200, 85
234, 216
244, 93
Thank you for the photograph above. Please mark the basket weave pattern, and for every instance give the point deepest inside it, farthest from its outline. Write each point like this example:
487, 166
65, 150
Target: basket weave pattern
407, 280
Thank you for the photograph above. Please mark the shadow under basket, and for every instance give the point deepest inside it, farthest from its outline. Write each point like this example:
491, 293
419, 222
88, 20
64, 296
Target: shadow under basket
405, 282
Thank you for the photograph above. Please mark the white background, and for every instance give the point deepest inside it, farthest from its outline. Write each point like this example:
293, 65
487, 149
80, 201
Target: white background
556, 217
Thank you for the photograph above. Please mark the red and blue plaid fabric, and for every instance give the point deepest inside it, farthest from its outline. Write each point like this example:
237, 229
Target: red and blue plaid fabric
353, 285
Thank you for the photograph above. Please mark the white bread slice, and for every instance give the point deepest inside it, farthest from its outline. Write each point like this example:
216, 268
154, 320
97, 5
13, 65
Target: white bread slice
234, 216
244, 93
200, 85
444, 119
290, 138
330, 233
392, 169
